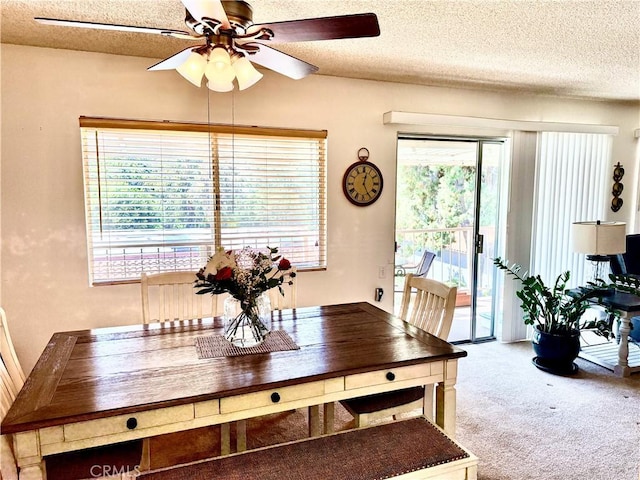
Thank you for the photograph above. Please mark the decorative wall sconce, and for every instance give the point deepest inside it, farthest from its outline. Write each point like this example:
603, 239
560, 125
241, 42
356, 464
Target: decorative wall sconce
616, 191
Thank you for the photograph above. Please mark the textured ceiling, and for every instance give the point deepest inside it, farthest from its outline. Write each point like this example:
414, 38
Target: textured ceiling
577, 48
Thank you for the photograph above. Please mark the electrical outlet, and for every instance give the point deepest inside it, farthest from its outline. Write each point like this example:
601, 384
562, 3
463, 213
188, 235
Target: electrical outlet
382, 272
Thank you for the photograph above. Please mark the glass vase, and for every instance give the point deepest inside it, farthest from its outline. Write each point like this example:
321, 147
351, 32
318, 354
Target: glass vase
247, 324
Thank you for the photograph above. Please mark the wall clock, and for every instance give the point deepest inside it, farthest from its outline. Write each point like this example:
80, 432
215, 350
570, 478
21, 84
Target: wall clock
362, 181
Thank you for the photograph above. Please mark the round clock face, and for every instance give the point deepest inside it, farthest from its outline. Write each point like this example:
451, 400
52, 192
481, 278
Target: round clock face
362, 183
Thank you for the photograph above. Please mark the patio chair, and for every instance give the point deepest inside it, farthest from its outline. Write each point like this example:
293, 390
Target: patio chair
431, 310
425, 264
421, 269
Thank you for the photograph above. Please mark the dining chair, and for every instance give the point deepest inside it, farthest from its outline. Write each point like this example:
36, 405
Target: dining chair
288, 297
171, 296
431, 309
8, 467
12, 379
9, 356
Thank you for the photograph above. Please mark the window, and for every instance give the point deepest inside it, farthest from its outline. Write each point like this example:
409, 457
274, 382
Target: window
162, 196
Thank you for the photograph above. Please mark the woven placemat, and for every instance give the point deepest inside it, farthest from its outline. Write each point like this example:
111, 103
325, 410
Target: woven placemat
213, 346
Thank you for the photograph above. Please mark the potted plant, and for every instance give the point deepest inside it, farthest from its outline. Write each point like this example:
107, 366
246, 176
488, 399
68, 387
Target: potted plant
556, 315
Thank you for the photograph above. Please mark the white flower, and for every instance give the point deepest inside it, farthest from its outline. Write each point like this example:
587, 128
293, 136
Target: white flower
218, 261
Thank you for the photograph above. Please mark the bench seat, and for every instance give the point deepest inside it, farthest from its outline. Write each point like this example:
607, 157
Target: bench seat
404, 449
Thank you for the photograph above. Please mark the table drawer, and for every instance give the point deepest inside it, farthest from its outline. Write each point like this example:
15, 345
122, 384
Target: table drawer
127, 423
272, 397
391, 375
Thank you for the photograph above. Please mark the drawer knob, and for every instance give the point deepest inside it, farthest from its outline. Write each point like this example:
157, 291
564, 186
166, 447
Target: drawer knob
132, 423
391, 376
275, 397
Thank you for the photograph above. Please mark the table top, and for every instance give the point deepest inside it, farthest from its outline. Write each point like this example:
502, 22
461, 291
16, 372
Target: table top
97, 373
626, 302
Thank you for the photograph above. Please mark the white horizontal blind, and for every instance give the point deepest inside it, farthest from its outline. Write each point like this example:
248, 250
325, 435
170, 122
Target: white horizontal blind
163, 196
270, 194
571, 186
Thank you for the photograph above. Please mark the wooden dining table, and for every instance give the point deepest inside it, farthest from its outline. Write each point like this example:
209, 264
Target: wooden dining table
109, 385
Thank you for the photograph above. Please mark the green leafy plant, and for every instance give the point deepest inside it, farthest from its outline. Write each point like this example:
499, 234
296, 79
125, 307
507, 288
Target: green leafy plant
557, 309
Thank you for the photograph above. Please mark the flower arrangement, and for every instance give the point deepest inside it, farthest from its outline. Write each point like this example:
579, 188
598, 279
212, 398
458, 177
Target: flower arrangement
245, 275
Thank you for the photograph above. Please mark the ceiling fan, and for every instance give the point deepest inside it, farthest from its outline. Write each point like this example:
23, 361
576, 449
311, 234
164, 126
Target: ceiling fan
232, 41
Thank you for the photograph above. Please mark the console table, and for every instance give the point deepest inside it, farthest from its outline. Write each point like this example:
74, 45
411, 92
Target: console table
616, 355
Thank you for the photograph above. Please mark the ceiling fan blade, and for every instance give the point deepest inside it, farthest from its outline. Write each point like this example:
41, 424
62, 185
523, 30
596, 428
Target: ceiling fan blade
120, 28
281, 62
325, 28
173, 61
200, 9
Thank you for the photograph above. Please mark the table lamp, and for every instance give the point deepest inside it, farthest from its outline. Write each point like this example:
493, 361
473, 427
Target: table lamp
599, 240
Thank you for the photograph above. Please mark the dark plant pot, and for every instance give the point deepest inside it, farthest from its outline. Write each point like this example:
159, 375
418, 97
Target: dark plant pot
555, 352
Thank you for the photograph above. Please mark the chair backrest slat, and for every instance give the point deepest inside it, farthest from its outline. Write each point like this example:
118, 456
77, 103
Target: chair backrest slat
432, 306
289, 299
172, 296
8, 354
8, 467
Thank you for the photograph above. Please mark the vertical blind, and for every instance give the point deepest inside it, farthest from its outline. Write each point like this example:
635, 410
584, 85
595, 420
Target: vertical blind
162, 196
571, 186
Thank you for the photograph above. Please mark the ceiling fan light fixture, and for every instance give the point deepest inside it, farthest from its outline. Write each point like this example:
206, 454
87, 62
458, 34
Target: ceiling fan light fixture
219, 57
220, 86
246, 73
193, 68
219, 69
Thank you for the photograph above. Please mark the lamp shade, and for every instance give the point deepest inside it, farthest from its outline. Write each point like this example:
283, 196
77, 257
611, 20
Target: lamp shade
220, 86
219, 69
246, 73
599, 238
193, 68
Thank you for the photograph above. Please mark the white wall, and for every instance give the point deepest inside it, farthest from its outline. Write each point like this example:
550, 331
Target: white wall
44, 280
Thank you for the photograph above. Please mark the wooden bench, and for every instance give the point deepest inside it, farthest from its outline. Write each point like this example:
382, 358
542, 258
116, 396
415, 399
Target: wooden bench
405, 449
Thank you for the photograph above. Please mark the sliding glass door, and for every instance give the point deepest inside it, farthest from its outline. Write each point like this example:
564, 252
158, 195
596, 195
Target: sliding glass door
448, 192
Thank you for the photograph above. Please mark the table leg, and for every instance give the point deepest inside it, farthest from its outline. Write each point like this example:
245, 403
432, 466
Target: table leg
26, 450
427, 408
241, 435
622, 368
225, 439
315, 429
145, 460
31, 472
329, 417
446, 399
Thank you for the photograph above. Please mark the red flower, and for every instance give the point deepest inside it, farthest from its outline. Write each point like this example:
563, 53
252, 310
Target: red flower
224, 273
284, 264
